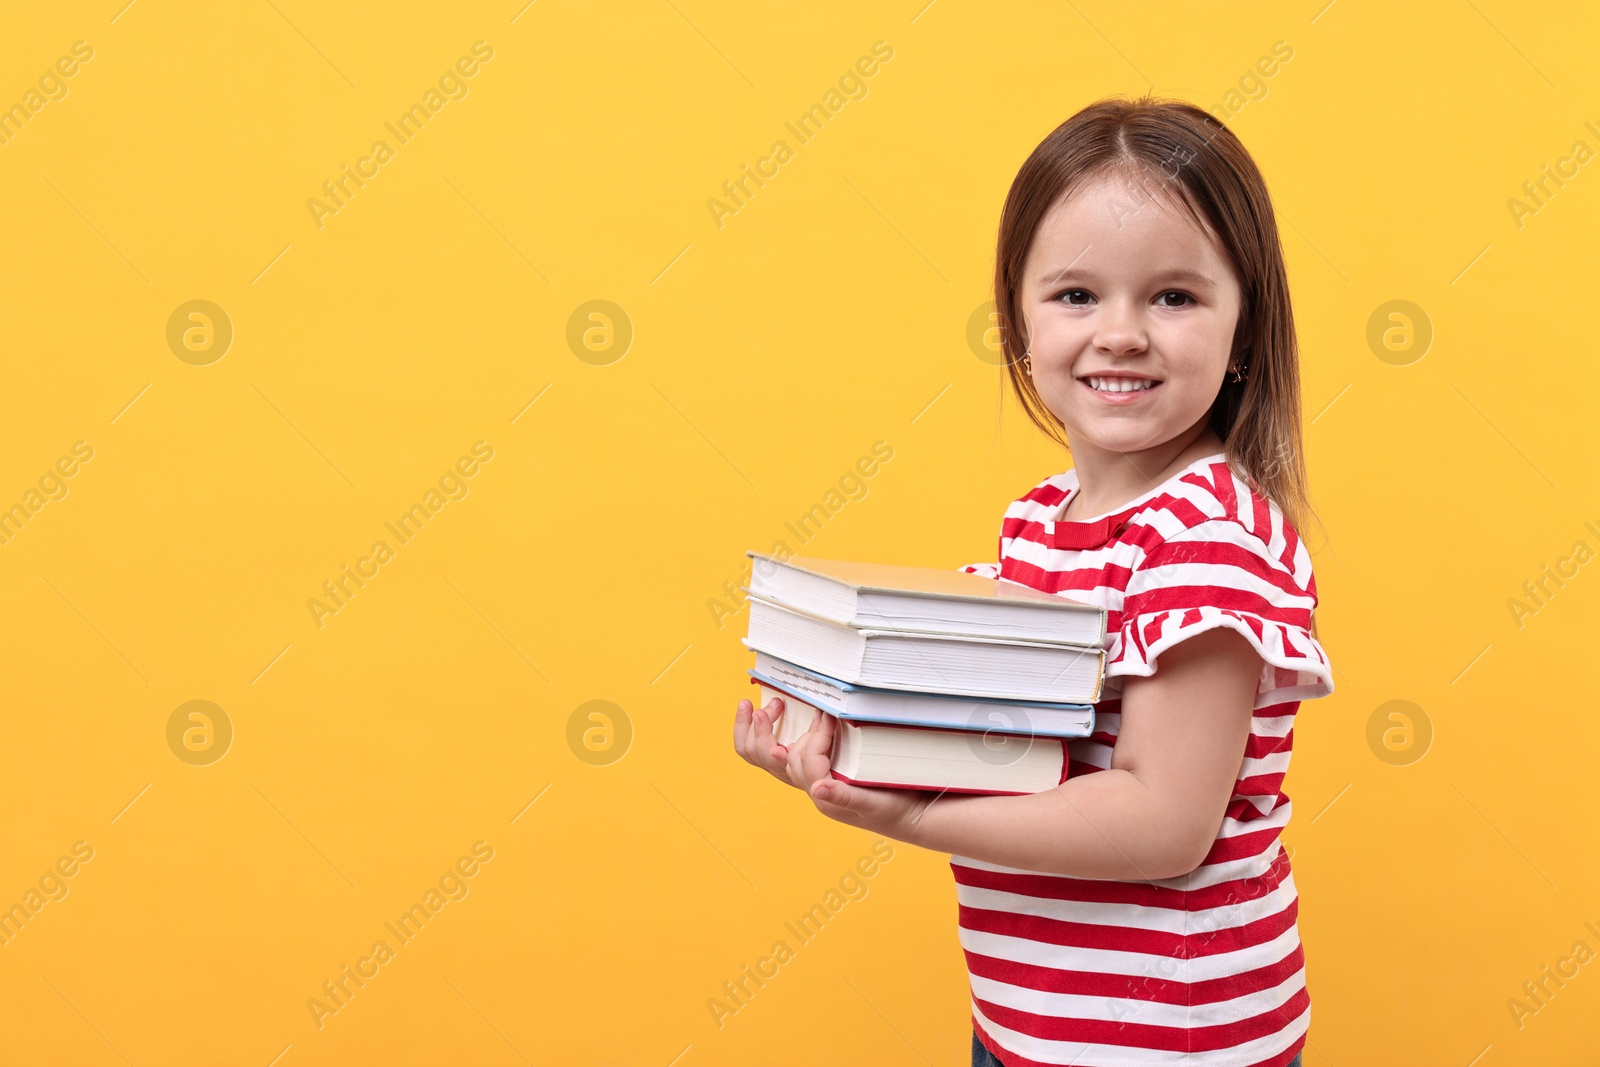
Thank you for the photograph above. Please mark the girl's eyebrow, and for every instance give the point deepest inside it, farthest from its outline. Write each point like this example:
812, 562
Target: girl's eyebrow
1176, 274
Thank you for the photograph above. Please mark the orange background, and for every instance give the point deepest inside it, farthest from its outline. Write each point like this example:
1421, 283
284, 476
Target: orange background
735, 376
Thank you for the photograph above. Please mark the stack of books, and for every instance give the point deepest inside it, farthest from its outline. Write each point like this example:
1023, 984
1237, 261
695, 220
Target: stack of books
938, 679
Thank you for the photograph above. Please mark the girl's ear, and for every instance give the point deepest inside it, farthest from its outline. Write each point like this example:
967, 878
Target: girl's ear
1240, 355
1021, 333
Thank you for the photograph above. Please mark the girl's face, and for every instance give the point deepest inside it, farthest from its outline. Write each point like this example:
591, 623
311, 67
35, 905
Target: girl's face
1121, 292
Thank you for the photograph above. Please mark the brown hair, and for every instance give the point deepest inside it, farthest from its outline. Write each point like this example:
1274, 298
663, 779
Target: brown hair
1190, 159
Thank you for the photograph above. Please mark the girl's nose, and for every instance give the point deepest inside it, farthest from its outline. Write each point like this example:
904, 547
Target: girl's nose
1119, 329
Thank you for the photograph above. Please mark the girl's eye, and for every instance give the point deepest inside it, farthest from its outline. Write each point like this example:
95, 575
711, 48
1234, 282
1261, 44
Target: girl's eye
1069, 295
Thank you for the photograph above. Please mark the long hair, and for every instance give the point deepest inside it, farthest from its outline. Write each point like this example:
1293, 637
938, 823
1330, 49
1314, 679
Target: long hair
1181, 153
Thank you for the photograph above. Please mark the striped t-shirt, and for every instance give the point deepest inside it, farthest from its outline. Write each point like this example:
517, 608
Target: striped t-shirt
1202, 970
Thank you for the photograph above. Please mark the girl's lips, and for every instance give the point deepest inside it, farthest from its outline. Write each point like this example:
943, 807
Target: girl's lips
1132, 396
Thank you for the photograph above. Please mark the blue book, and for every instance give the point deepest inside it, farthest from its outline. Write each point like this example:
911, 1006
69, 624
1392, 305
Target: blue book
805, 689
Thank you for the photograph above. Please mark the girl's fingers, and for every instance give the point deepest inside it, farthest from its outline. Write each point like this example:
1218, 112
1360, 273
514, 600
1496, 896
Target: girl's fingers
750, 735
761, 728
745, 725
803, 763
792, 763
756, 743
767, 746
741, 726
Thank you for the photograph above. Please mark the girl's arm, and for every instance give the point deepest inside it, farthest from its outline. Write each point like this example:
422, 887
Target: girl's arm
1152, 814
1155, 812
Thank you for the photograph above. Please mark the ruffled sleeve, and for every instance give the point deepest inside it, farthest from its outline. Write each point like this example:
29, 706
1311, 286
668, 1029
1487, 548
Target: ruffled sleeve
1220, 574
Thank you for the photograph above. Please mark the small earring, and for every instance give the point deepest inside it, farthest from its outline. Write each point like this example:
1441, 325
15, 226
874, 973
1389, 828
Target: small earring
1238, 368
1027, 361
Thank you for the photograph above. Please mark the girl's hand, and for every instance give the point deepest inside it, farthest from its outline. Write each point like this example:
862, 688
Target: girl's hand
753, 740
805, 765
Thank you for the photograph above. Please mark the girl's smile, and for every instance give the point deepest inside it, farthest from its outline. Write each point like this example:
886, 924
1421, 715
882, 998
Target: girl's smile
1119, 388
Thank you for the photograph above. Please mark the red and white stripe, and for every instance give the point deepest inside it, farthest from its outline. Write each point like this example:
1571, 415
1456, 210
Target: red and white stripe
1203, 970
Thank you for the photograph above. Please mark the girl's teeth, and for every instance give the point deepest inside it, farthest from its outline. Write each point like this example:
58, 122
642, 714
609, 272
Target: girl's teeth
1119, 385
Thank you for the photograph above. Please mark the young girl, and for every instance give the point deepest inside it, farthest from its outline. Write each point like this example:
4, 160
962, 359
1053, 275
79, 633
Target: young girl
1141, 912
